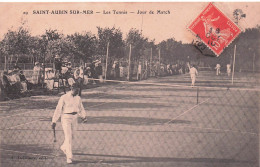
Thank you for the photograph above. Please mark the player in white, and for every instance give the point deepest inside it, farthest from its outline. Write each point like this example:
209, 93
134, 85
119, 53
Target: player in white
217, 69
193, 74
68, 108
228, 69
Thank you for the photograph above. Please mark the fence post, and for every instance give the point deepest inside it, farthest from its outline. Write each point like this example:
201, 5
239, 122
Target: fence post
258, 138
106, 61
159, 70
234, 61
197, 95
129, 63
5, 63
254, 63
151, 61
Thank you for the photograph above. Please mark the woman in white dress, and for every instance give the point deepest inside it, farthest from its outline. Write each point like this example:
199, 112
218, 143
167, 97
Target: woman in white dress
36, 73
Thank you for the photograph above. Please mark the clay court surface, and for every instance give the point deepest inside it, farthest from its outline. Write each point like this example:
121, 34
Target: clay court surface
156, 122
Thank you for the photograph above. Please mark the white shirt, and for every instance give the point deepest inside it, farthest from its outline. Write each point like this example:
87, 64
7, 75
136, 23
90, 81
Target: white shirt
69, 104
193, 71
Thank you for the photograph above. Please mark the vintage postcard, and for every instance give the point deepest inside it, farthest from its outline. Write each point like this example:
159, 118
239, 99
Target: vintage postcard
140, 84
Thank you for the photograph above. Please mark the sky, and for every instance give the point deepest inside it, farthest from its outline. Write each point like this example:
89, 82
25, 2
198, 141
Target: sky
154, 26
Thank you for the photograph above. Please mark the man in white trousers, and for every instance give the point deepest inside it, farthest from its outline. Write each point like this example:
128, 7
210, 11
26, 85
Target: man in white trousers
228, 69
193, 74
68, 108
218, 69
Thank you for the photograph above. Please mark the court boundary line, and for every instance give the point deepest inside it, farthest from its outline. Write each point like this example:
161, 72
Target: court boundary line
143, 131
192, 108
23, 113
187, 111
53, 156
222, 130
28, 153
20, 125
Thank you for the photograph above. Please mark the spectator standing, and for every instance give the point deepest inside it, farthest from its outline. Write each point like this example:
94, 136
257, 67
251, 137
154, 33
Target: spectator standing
36, 73
57, 65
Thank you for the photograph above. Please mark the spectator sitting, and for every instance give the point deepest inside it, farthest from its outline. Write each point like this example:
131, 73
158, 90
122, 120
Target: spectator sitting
78, 80
6, 86
12, 85
78, 76
16, 67
68, 71
49, 78
64, 70
24, 82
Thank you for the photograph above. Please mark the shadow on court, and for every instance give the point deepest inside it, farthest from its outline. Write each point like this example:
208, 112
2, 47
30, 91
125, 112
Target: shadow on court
136, 121
134, 159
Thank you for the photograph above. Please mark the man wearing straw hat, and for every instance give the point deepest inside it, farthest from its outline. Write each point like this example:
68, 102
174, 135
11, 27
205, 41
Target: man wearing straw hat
68, 108
57, 65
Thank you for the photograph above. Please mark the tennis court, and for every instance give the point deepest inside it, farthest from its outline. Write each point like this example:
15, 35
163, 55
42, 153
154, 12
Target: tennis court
156, 122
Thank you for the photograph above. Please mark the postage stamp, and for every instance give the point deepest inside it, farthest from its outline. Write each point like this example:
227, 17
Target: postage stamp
215, 29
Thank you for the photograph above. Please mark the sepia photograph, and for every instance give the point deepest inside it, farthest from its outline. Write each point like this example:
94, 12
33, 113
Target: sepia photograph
130, 84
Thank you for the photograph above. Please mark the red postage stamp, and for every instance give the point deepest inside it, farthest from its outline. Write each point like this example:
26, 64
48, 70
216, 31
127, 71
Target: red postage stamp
215, 29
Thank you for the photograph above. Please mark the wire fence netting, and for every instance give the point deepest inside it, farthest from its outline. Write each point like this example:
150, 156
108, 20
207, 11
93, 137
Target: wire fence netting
162, 121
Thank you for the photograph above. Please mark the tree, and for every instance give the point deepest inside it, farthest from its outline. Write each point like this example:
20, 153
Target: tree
54, 43
116, 43
85, 45
172, 51
53, 35
138, 43
15, 44
62, 47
